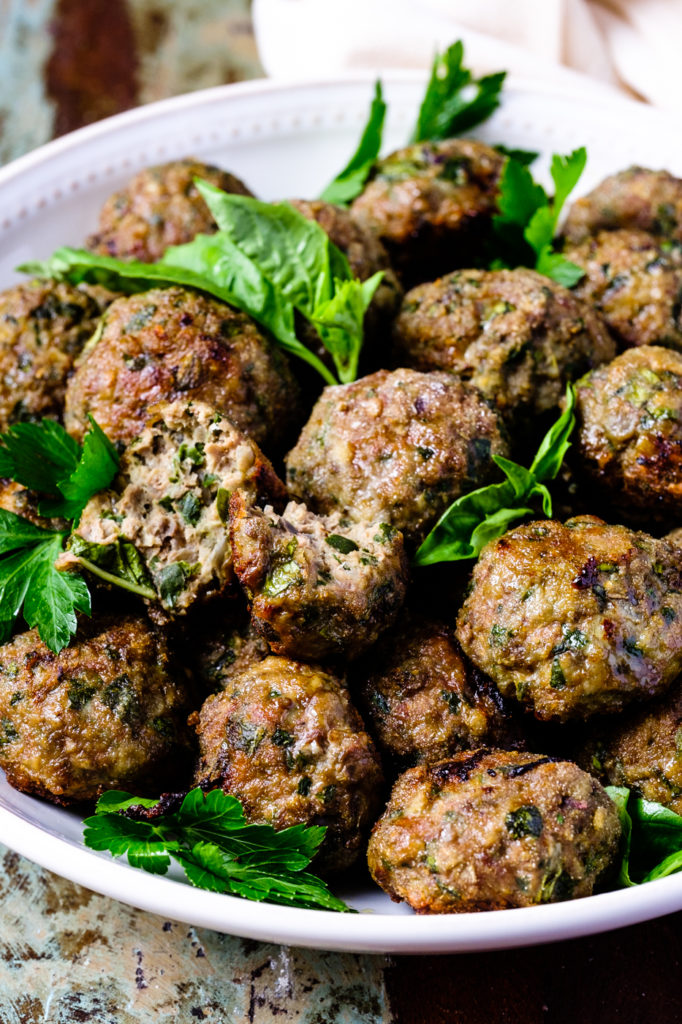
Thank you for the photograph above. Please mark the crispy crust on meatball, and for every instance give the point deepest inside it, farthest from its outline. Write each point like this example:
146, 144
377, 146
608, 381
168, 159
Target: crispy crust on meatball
630, 431
634, 198
633, 280
160, 206
170, 344
285, 739
395, 447
107, 712
319, 586
517, 336
575, 619
493, 829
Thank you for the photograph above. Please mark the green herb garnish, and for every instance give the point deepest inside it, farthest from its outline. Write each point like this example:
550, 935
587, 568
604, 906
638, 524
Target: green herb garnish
350, 182
210, 839
651, 845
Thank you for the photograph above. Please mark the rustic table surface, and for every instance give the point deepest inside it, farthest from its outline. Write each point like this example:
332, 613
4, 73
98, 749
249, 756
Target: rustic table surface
69, 955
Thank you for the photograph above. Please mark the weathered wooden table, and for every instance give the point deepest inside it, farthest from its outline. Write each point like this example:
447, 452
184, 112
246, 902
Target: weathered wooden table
68, 955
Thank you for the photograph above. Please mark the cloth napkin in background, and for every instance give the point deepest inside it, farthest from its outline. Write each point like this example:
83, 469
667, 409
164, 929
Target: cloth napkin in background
593, 45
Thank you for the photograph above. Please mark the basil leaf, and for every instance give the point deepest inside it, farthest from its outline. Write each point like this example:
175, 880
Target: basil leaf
350, 182
552, 451
620, 796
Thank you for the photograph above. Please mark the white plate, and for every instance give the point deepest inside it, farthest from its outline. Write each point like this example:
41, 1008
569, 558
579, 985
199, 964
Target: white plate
288, 141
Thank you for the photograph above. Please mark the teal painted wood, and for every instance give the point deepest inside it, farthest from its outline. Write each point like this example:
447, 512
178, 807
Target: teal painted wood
26, 114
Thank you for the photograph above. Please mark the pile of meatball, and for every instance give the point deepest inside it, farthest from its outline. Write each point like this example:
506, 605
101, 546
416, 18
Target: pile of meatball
291, 655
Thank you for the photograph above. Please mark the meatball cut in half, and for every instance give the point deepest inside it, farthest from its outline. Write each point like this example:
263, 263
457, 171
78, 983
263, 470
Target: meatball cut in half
160, 206
285, 739
107, 712
166, 514
396, 448
493, 829
634, 281
319, 586
169, 344
43, 327
424, 701
630, 431
575, 619
634, 198
514, 334
431, 204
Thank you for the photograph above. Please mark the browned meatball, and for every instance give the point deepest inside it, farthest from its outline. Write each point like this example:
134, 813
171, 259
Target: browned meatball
575, 619
630, 431
43, 327
168, 506
396, 448
431, 204
319, 586
168, 344
493, 829
285, 739
107, 712
641, 751
675, 536
634, 198
634, 281
160, 206
423, 701
514, 334
22, 502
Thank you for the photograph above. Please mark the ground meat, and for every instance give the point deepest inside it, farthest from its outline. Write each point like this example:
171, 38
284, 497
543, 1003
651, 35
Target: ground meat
160, 206
43, 327
319, 586
431, 204
168, 344
221, 643
634, 198
493, 829
675, 536
423, 700
514, 334
642, 751
107, 712
575, 619
396, 448
170, 501
285, 739
634, 280
630, 431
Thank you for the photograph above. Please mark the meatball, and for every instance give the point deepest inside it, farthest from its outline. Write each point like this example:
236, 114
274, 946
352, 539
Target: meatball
641, 750
222, 643
168, 344
167, 510
675, 536
285, 739
43, 327
493, 829
634, 281
160, 206
431, 204
423, 701
630, 431
634, 198
319, 586
395, 447
107, 712
514, 334
22, 502
575, 619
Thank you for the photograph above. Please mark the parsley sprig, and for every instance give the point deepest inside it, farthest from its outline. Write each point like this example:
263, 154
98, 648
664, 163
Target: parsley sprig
651, 846
350, 182
210, 839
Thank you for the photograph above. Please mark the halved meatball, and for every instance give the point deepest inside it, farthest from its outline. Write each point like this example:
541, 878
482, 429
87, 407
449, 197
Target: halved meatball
107, 712
634, 281
43, 327
285, 739
160, 206
431, 204
575, 619
318, 586
630, 431
634, 198
168, 506
517, 336
396, 448
493, 829
169, 344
